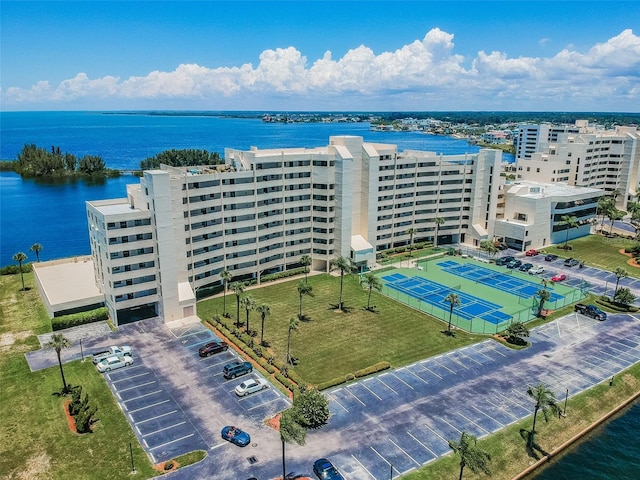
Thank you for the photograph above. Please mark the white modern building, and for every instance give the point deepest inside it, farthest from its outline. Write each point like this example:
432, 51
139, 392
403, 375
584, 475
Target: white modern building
534, 212
263, 210
608, 160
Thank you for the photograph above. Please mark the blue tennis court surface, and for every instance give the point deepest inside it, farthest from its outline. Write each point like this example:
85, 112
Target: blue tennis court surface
504, 281
435, 293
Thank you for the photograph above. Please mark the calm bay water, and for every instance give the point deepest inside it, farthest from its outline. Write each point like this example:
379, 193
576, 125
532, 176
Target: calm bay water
53, 213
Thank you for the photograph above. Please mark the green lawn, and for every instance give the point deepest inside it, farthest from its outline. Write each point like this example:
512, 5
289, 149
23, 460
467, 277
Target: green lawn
37, 440
332, 343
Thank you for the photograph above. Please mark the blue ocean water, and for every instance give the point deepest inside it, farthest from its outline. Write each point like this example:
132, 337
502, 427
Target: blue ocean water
53, 213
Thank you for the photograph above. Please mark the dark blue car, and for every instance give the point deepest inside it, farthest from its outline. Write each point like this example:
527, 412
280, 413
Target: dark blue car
236, 436
325, 470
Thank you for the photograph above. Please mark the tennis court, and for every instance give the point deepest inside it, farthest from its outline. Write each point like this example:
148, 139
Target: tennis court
490, 296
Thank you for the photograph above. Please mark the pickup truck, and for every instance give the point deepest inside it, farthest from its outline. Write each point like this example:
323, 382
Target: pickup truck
113, 351
591, 311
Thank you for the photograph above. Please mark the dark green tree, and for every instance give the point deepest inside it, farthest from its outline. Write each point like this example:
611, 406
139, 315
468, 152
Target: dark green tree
20, 257
264, 310
470, 454
58, 342
305, 261
226, 276
544, 295
293, 326
569, 221
249, 304
620, 273
290, 432
238, 290
371, 282
624, 296
411, 232
303, 289
344, 265
517, 333
454, 301
313, 408
438, 221
545, 402
36, 247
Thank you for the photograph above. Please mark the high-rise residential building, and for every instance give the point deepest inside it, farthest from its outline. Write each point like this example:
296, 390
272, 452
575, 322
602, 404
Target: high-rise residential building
604, 159
262, 210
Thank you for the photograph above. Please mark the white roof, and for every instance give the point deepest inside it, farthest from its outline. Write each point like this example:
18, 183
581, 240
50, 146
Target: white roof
358, 244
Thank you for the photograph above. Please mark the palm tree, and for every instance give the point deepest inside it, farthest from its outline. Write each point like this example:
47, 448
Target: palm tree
454, 301
58, 342
303, 289
305, 261
371, 282
544, 295
226, 277
489, 247
411, 231
293, 325
238, 289
249, 304
344, 264
605, 204
438, 221
620, 273
263, 309
290, 431
517, 333
470, 455
614, 214
36, 247
20, 257
545, 402
571, 222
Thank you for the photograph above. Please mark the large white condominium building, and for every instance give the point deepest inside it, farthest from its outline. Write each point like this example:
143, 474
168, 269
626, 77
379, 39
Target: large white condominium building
608, 160
263, 210
532, 138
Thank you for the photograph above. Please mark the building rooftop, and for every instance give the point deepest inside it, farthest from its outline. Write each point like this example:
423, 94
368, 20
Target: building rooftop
540, 189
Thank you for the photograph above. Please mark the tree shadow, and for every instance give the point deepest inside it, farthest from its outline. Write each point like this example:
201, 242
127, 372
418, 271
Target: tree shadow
448, 333
372, 309
334, 307
534, 451
304, 318
25, 289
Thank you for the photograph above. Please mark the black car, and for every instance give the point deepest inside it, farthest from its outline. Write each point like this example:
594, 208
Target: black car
514, 264
571, 262
211, 348
325, 470
504, 260
551, 257
525, 267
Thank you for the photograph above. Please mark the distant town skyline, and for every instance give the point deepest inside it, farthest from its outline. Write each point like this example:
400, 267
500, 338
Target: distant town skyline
321, 55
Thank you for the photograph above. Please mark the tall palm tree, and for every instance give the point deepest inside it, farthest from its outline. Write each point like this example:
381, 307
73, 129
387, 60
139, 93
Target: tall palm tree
620, 273
303, 289
545, 402
249, 304
36, 247
263, 309
371, 282
470, 455
544, 296
293, 325
238, 289
614, 214
290, 431
20, 257
305, 261
605, 204
454, 301
58, 342
411, 231
226, 277
344, 264
438, 221
570, 221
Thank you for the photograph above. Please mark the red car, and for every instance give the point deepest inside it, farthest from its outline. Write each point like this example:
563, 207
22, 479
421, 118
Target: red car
532, 253
558, 277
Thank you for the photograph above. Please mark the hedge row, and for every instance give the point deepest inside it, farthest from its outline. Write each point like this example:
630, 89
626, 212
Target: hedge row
404, 248
81, 318
378, 367
14, 269
618, 307
277, 276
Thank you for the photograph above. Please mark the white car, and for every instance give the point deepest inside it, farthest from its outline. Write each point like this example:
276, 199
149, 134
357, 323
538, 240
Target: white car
112, 363
536, 270
251, 386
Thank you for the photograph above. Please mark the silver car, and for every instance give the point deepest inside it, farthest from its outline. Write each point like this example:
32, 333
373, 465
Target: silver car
112, 363
251, 386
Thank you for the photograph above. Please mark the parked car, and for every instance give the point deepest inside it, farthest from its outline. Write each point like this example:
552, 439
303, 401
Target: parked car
501, 245
235, 369
514, 264
591, 311
325, 470
113, 363
558, 277
236, 436
551, 257
212, 347
504, 260
571, 262
525, 267
251, 386
111, 352
536, 270
532, 253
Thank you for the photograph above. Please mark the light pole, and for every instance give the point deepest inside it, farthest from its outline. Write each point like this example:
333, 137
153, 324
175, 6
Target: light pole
133, 467
81, 352
566, 397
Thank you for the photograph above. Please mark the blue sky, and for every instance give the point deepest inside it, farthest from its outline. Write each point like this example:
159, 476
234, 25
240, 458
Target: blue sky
323, 55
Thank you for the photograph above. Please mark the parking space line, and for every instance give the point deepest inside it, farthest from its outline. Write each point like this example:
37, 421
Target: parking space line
488, 416
419, 378
137, 386
156, 417
165, 428
343, 407
455, 360
471, 421
423, 445
503, 409
455, 428
129, 378
436, 433
264, 403
373, 393
354, 396
172, 441
363, 467
149, 406
403, 451
624, 352
397, 378
141, 396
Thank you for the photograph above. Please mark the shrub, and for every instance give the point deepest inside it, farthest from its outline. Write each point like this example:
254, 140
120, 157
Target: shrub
13, 269
284, 381
331, 383
81, 318
349, 376
169, 465
372, 369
